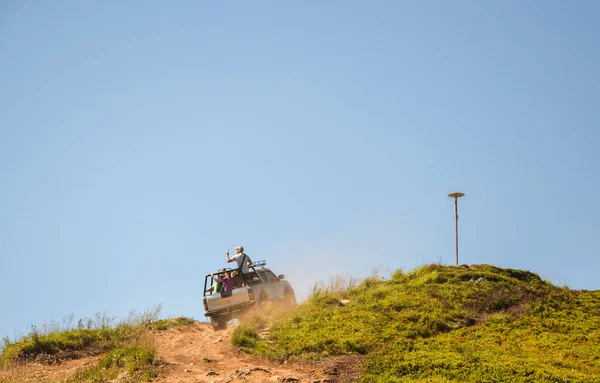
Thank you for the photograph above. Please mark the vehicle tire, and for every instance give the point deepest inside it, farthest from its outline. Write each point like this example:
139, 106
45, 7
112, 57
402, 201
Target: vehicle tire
219, 323
263, 297
289, 296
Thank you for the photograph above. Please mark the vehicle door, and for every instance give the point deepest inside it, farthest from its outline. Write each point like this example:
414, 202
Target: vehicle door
276, 288
262, 284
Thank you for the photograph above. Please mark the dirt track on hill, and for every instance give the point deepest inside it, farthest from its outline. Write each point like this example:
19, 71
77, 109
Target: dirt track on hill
197, 354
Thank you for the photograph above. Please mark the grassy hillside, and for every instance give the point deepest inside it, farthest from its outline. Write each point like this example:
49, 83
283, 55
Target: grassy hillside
121, 348
433, 324
445, 324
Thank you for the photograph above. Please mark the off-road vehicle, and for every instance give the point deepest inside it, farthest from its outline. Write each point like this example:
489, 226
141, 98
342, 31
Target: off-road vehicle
259, 285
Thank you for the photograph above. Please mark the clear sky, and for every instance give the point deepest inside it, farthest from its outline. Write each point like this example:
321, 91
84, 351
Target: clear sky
140, 140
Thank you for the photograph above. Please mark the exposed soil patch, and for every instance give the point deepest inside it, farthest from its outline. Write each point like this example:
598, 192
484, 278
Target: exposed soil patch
197, 354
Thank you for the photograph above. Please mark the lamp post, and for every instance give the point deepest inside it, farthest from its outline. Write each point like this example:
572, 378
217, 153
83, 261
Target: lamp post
456, 196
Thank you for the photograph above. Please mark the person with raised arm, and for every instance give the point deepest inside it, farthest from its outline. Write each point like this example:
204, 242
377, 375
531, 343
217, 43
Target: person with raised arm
242, 260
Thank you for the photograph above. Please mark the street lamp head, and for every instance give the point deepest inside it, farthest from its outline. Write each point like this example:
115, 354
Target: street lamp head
456, 195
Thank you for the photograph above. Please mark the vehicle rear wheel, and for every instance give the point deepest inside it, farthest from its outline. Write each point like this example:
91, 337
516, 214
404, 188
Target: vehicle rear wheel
263, 297
219, 323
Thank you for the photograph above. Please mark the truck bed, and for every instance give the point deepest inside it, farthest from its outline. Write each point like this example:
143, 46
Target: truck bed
228, 301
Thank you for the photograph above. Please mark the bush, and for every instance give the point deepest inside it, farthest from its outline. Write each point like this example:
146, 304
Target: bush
245, 337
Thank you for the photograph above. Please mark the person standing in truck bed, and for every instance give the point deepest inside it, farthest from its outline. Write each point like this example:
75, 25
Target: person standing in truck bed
242, 260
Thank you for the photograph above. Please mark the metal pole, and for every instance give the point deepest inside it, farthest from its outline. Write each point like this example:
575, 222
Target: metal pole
456, 196
456, 224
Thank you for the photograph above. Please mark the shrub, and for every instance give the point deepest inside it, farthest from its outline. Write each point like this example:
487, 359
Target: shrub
245, 337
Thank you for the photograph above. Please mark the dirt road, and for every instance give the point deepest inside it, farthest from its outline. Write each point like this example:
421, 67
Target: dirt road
197, 354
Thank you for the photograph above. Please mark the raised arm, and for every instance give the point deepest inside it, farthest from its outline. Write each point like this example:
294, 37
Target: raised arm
216, 279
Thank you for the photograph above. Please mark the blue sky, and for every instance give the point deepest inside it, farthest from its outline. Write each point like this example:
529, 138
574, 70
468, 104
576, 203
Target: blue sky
140, 140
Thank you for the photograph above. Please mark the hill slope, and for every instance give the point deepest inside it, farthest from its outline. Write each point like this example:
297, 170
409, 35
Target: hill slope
436, 323
190, 353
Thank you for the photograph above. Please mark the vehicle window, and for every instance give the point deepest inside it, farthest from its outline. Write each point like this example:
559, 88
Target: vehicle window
252, 278
271, 276
262, 275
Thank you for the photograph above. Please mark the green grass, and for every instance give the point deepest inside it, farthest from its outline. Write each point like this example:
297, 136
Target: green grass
165, 324
553, 343
132, 363
68, 344
447, 324
245, 337
124, 352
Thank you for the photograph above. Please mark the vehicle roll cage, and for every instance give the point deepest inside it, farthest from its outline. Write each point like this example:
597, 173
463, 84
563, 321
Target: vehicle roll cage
251, 268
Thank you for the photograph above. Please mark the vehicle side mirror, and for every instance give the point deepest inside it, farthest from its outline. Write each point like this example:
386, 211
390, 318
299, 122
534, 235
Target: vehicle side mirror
281, 276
